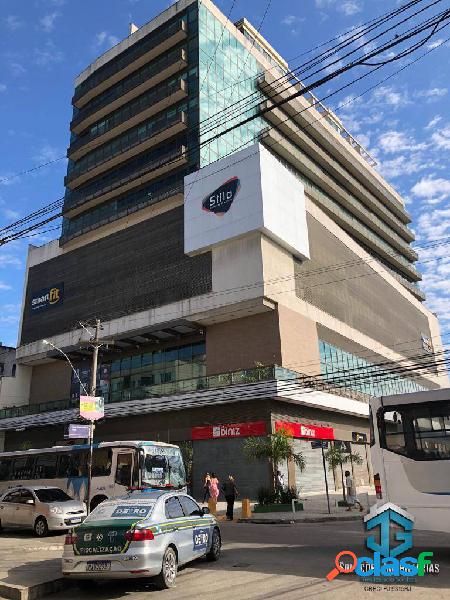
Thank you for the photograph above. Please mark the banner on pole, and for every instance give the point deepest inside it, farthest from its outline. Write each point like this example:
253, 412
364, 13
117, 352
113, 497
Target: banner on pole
92, 408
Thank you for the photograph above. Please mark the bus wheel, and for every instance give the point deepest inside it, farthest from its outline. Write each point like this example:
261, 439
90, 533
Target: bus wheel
96, 501
40, 527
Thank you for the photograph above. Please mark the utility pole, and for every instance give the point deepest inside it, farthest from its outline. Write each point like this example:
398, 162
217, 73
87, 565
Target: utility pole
95, 342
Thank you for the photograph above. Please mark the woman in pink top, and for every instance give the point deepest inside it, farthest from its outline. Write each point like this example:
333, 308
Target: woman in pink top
214, 487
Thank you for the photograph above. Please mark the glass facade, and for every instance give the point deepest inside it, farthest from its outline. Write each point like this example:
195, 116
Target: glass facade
227, 75
361, 375
146, 374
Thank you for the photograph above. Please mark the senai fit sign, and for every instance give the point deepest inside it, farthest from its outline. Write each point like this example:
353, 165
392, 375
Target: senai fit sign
47, 297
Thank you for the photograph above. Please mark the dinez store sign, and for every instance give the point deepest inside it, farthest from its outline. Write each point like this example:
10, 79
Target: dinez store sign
230, 430
299, 430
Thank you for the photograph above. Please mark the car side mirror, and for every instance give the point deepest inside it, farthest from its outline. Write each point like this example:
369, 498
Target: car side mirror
205, 510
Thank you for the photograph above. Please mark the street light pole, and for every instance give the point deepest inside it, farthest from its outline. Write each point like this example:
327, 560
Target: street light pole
96, 345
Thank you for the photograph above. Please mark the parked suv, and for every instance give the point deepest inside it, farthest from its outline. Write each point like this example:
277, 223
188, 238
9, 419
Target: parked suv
41, 508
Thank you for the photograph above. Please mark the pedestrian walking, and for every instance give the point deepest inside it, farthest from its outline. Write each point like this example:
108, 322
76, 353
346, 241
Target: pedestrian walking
214, 487
351, 492
230, 492
206, 487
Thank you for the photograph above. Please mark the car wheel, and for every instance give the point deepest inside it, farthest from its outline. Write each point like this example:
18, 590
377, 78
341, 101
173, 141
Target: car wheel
216, 544
40, 527
166, 579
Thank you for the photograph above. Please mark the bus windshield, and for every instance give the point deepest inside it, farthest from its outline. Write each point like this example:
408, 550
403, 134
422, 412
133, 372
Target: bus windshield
163, 466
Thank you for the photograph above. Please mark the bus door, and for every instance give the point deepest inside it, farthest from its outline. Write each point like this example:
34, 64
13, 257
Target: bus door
125, 466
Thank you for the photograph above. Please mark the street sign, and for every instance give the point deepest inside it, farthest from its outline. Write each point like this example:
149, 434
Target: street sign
78, 431
319, 444
92, 408
343, 446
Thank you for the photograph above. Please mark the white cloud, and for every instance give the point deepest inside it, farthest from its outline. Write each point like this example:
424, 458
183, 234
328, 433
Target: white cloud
391, 96
402, 165
47, 153
432, 94
432, 189
13, 23
441, 138
16, 68
10, 214
3, 87
103, 39
48, 55
5, 286
350, 7
435, 44
291, 20
48, 21
9, 260
398, 141
434, 121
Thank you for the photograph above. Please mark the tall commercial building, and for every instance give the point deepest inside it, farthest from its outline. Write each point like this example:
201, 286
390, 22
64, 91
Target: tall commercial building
251, 279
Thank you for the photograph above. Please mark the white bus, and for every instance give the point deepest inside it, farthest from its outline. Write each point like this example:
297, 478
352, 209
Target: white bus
410, 447
116, 466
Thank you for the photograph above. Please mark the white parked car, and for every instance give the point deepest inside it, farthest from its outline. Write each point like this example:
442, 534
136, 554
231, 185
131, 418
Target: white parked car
41, 508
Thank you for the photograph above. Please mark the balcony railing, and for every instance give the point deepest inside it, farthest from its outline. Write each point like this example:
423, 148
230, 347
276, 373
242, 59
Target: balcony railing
133, 81
149, 43
201, 383
119, 178
140, 105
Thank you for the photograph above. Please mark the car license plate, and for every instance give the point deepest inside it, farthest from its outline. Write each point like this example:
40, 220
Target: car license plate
75, 520
98, 565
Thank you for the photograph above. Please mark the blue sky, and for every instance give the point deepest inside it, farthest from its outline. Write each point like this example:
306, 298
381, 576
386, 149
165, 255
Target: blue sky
44, 44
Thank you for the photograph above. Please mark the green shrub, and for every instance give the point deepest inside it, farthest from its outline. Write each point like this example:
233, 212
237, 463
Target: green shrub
266, 496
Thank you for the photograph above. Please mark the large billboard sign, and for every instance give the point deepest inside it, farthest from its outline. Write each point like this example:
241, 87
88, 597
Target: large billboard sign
246, 192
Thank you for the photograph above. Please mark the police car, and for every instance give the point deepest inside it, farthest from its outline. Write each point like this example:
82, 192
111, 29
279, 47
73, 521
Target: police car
148, 533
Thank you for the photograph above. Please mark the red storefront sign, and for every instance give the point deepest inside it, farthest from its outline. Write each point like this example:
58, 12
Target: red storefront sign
299, 430
229, 430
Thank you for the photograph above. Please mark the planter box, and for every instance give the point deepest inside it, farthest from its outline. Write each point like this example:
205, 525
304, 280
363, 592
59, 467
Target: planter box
343, 503
268, 508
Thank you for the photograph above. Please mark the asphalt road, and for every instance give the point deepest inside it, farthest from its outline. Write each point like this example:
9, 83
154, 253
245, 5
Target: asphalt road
262, 562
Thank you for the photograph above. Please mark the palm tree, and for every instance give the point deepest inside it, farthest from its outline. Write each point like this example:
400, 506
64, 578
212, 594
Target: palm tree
337, 457
275, 448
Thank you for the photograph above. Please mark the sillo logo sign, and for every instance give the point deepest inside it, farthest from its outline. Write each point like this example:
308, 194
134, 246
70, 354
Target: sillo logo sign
220, 200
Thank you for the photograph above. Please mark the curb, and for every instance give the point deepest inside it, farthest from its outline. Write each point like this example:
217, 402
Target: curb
320, 519
33, 592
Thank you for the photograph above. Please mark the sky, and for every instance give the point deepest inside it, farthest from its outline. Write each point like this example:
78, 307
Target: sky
404, 122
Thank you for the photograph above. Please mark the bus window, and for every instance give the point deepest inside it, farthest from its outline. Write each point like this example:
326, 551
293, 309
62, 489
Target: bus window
22, 467
72, 464
5, 467
101, 462
45, 467
394, 434
124, 466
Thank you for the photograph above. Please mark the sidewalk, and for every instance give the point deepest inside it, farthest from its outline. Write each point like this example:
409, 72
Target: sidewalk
315, 510
30, 567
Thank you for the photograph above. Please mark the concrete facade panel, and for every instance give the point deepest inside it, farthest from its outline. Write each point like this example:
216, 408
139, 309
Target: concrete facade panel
140, 267
356, 294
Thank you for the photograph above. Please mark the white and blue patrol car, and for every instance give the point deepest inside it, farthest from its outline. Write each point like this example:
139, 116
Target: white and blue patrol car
147, 533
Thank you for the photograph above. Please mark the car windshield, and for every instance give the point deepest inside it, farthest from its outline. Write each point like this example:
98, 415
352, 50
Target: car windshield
163, 466
52, 495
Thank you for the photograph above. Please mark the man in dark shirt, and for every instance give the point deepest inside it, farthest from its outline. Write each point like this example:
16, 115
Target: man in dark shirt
230, 492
